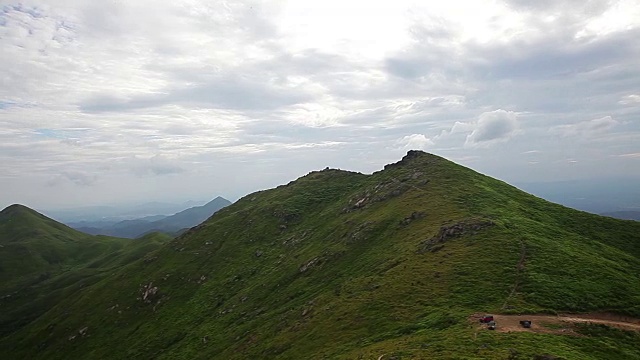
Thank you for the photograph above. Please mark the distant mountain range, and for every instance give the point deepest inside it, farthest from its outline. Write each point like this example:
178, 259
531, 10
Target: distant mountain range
172, 225
596, 196
624, 215
117, 213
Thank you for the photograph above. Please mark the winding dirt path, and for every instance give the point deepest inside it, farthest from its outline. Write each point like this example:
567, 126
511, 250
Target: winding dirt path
561, 324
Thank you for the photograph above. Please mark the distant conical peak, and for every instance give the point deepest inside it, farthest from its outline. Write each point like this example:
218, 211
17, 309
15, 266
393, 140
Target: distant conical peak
217, 200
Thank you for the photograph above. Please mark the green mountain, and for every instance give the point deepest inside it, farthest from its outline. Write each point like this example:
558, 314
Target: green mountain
34, 244
43, 262
344, 265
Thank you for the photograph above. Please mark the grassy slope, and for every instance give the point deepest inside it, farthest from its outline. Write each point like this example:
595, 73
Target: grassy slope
43, 262
300, 271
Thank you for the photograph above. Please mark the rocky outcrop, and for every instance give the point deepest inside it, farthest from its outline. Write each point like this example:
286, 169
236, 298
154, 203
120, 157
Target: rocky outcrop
309, 264
411, 155
148, 293
414, 216
453, 231
82, 333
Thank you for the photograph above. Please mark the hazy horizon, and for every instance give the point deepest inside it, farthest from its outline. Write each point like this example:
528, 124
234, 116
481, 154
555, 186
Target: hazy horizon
596, 195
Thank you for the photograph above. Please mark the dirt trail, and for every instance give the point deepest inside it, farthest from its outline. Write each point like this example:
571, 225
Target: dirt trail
519, 270
561, 324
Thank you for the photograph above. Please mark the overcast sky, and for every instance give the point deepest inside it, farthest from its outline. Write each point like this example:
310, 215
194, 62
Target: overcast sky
130, 101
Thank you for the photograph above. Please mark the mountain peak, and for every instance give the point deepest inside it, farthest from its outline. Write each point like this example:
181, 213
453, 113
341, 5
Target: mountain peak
13, 207
17, 210
218, 202
413, 158
29, 219
411, 154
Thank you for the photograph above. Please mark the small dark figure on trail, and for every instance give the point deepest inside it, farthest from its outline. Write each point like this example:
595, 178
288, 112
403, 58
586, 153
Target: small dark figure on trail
525, 323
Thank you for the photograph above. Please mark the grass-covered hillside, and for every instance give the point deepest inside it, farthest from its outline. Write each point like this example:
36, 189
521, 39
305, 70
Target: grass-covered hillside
43, 263
350, 266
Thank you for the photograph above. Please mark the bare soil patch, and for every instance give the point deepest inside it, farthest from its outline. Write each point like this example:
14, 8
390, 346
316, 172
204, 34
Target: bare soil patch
560, 324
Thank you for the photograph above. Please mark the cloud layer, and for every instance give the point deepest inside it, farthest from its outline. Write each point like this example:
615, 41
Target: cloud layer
115, 101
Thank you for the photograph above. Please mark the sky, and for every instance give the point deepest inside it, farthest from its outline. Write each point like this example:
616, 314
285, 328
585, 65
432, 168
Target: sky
109, 102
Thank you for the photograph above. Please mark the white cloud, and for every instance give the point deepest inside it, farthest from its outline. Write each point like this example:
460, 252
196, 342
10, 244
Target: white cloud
415, 142
462, 127
157, 165
586, 128
76, 177
492, 127
631, 155
630, 100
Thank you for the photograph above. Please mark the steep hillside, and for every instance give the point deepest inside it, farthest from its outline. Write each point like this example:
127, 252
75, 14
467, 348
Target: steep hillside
43, 262
32, 243
344, 265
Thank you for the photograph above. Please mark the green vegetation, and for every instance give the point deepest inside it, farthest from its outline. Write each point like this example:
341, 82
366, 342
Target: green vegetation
43, 263
344, 265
